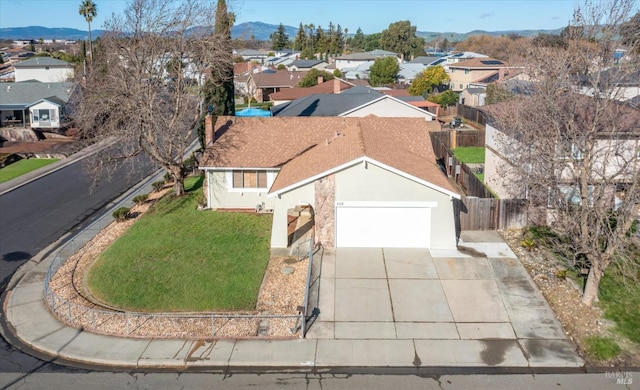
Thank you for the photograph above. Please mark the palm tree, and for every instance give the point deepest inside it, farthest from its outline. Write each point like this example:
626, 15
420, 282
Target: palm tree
89, 10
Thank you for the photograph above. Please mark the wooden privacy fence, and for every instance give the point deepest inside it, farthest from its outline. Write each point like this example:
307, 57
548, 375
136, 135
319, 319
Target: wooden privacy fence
478, 209
491, 214
472, 114
454, 138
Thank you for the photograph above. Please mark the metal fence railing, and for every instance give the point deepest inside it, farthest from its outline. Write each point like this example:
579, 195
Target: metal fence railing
98, 319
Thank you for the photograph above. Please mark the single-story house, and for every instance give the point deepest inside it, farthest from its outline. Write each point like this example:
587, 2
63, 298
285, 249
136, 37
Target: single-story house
265, 83
354, 60
354, 102
34, 104
370, 182
328, 87
306, 65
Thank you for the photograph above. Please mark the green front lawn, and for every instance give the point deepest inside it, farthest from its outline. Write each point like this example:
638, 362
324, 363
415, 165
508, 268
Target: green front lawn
470, 154
21, 167
176, 258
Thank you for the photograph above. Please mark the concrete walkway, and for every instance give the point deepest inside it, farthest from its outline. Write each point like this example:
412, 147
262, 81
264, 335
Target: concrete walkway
389, 310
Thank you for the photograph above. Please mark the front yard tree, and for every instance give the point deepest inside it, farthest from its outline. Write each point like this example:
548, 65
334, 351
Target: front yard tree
424, 83
127, 96
572, 146
384, 71
400, 37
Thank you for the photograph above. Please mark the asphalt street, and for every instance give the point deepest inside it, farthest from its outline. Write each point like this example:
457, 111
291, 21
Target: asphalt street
39, 213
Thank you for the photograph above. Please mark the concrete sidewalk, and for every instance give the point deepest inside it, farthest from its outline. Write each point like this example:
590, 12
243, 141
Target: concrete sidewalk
442, 345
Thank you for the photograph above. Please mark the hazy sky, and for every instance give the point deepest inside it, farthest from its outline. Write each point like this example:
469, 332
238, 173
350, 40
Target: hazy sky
371, 15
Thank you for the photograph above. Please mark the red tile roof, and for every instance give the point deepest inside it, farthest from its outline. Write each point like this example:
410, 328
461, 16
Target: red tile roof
304, 147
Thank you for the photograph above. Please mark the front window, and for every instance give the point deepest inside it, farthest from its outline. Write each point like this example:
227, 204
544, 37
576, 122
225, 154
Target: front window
249, 179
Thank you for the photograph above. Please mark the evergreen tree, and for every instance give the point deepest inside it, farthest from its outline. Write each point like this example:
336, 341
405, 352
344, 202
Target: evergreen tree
218, 89
300, 41
358, 40
279, 39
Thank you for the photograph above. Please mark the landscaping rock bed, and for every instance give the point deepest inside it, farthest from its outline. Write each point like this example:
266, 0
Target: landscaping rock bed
278, 300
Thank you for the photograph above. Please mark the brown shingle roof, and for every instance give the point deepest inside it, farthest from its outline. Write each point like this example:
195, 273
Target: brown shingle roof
304, 147
296, 93
280, 78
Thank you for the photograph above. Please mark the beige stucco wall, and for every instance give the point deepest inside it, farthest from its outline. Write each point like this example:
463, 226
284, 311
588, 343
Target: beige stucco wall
218, 195
377, 184
391, 109
299, 196
458, 76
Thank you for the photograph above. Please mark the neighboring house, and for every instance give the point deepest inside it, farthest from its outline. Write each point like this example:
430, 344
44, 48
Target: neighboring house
424, 60
409, 71
265, 83
351, 61
477, 70
371, 182
241, 73
622, 82
249, 54
353, 102
34, 104
623, 146
360, 72
473, 96
306, 65
44, 69
286, 95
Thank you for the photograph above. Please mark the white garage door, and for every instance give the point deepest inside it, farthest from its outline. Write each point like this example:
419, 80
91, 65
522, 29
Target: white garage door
381, 224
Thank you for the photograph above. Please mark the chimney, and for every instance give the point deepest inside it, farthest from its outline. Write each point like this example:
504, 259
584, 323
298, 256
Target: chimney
320, 79
336, 86
208, 130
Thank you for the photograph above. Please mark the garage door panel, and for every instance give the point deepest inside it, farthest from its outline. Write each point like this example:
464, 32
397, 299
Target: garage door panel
406, 227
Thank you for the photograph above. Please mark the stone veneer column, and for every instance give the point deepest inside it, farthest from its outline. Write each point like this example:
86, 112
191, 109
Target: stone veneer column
325, 189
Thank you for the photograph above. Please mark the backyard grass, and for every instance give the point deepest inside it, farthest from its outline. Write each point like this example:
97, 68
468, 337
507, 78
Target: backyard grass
21, 167
470, 154
176, 258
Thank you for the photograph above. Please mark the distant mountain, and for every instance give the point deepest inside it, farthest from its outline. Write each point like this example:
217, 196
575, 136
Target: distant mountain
37, 32
258, 30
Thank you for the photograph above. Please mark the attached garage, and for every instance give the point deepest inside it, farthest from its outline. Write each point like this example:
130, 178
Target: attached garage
383, 224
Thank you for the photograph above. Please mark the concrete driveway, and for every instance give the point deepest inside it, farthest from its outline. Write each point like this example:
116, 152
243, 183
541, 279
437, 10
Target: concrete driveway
392, 293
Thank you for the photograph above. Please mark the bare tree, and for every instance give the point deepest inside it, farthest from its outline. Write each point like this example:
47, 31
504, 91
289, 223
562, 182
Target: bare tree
145, 87
572, 148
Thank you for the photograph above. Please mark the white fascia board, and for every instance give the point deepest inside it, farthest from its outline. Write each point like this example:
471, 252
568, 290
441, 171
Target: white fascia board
315, 177
411, 177
357, 161
392, 98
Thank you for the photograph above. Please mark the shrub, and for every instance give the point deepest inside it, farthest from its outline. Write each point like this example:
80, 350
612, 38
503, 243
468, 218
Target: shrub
121, 214
157, 185
140, 198
167, 177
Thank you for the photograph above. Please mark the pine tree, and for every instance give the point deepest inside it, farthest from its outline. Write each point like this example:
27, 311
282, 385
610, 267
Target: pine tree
279, 39
300, 41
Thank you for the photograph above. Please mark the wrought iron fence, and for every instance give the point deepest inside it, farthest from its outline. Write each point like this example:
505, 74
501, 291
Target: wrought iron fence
97, 319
